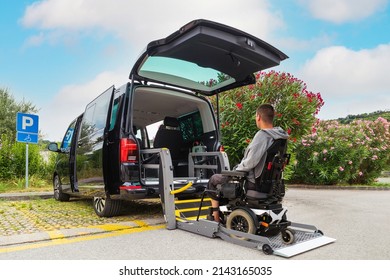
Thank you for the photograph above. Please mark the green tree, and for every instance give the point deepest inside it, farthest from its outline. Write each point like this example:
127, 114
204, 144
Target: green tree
8, 109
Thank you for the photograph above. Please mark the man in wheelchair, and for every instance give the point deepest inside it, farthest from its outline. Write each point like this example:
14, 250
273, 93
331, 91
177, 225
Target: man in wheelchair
254, 183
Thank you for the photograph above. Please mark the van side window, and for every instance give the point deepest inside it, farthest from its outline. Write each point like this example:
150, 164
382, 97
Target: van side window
114, 113
95, 115
66, 142
191, 127
88, 127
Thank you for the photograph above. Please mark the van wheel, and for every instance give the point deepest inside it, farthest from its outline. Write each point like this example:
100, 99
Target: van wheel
57, 188
106, 207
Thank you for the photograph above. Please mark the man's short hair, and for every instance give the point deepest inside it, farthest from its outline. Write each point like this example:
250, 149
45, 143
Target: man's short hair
266, 112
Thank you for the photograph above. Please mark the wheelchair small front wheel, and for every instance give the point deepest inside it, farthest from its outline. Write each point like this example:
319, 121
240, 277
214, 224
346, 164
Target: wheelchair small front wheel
241, 220
288, 236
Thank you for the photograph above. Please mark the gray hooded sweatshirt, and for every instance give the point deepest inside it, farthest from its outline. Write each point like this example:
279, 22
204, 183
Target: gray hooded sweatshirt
255, 154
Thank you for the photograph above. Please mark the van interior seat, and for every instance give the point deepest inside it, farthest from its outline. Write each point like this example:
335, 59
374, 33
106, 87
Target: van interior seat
169, 136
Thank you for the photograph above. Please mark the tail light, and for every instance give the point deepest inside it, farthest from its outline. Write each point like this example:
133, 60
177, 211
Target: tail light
129, 150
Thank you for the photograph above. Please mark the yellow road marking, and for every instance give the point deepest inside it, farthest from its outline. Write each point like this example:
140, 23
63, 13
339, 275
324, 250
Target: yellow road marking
61, 241
54, 234
110, 227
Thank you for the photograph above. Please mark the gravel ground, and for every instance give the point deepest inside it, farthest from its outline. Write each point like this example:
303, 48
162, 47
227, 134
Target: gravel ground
30, 216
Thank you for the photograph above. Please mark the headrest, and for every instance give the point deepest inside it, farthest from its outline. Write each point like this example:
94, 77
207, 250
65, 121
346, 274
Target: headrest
171, 122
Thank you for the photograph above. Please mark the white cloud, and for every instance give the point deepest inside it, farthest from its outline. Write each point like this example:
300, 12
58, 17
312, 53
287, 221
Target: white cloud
296, 44
71, 100
35, 40
344, 76
146, 20
339, 11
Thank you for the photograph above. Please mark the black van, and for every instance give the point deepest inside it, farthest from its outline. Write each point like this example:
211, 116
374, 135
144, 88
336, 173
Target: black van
105, 149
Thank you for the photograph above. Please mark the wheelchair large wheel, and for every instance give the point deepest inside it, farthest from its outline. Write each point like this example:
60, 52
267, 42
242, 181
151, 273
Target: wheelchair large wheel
241, 220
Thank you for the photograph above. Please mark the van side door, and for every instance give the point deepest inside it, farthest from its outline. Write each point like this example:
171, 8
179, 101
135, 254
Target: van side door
89, 150
112, 137
64, 158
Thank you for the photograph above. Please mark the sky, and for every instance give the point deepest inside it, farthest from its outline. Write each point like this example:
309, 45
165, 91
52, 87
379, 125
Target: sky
60, 54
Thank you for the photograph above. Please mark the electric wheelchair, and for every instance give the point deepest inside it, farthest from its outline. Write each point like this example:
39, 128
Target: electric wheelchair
256, 208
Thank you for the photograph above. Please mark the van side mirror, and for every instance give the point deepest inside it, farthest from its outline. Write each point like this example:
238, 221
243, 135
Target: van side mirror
53, 147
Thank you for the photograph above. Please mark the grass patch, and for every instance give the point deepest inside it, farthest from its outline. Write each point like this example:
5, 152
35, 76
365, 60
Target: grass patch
19, 185
380, 185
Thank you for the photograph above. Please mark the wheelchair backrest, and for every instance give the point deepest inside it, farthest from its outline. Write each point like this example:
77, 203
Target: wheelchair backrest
270, 180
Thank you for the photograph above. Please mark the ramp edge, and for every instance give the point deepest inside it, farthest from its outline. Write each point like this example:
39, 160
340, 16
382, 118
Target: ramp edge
295, 249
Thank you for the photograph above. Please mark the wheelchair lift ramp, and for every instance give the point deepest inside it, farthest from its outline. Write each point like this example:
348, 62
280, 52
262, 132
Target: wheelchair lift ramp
304, 241
182, 214
304, 246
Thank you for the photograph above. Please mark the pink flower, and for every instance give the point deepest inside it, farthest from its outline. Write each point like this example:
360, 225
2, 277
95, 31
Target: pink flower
239, 105
350, 162
360, 173
341, 168
325, 151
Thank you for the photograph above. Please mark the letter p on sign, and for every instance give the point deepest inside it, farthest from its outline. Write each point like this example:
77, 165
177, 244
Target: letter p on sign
26, 121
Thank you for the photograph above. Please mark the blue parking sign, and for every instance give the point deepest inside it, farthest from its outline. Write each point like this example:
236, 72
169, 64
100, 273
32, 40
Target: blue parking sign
27, 128
26, 123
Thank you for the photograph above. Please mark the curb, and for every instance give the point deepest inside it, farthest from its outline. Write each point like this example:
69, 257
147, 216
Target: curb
26, 195
336, 187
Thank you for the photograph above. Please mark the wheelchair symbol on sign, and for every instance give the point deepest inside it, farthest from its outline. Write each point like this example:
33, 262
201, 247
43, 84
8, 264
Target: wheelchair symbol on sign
28, 138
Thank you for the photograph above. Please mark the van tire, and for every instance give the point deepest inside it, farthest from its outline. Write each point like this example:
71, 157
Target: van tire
57, 189
106, 207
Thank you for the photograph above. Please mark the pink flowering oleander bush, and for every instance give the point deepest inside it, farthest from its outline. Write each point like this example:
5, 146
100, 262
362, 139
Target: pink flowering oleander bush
354, 153
295, 106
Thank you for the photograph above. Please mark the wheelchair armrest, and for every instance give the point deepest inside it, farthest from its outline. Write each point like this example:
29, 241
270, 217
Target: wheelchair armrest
234, 173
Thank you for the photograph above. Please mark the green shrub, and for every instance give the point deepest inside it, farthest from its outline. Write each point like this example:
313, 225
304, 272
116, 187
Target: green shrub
354, 153
13, 160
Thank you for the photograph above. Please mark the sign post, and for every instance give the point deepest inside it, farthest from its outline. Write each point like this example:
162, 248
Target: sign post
27, 132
